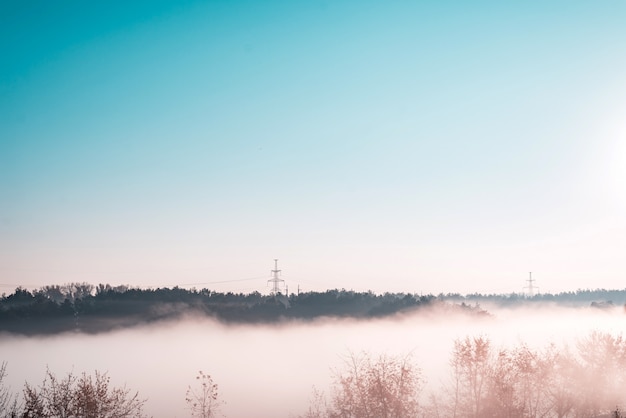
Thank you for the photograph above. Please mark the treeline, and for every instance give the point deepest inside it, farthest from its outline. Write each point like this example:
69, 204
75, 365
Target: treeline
86, 308
583, 297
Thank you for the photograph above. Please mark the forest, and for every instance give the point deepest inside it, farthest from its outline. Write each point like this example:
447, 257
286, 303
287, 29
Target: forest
82, 307
86, 308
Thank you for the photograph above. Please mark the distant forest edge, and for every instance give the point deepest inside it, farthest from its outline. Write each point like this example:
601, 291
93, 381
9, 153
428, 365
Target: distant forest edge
82, 307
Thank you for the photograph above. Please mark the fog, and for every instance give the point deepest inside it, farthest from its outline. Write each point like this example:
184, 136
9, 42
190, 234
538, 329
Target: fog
269, 371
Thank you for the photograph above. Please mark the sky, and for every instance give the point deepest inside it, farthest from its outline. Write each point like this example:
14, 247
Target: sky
391, 146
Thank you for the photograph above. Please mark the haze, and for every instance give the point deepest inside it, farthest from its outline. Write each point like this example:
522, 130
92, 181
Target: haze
386, 146
269, 371
398, 146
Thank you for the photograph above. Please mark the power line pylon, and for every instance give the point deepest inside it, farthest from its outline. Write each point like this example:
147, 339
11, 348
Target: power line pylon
275, 280
530, 287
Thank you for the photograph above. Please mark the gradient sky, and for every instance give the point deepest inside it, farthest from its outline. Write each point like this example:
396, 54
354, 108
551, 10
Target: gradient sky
388, 146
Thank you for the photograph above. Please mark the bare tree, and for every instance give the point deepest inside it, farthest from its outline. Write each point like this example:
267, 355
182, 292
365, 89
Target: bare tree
602, 374
471, 369
80, 396
502, 395
33, 403
203, 401
384, 387
8, 401
560, 379
318, 407
523, 383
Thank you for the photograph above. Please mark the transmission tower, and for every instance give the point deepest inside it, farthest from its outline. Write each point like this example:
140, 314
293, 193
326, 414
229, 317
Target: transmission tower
275, 280
530, 287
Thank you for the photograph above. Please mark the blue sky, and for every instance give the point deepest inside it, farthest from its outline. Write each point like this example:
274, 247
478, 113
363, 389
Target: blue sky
386, 146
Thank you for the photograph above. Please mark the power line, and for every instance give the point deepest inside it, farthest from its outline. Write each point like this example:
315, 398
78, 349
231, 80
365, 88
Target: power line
220, 281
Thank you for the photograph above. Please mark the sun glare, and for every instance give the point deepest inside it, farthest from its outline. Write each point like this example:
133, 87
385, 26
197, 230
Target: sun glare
607, 175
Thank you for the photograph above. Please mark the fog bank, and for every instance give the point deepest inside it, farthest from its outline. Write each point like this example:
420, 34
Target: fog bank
268, 371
